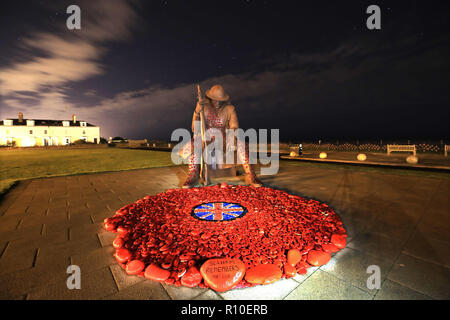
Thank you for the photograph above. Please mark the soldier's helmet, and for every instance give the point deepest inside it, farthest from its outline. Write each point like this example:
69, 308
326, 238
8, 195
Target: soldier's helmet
217, 93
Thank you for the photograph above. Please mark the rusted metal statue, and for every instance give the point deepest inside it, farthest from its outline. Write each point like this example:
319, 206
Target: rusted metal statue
215, 111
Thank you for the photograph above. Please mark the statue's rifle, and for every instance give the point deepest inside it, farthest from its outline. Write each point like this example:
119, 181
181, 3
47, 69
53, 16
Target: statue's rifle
203, 163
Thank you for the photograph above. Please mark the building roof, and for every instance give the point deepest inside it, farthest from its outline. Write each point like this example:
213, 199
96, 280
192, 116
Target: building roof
48, 123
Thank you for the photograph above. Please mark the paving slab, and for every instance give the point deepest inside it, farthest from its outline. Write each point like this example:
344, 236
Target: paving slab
378, 245
322, 285
106, 238
20, 282
426, 278
391, 290
182, 292
94, 285
146, 290
208, 295
122, 279
18, 260
96, 259
274, 291
351, 266
428, 249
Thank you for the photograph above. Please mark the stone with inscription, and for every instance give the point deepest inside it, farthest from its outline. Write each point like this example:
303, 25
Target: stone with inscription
222, 274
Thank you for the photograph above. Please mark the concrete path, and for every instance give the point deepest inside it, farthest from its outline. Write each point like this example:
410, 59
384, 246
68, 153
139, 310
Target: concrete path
400, 223
396, 159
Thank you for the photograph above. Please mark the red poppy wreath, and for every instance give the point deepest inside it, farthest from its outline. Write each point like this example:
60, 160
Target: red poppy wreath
224, 236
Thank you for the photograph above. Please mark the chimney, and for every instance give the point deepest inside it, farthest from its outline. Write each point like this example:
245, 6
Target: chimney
20, 117
74, 118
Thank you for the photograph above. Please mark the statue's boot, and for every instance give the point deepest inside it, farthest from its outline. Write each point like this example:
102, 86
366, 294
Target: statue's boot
250, 176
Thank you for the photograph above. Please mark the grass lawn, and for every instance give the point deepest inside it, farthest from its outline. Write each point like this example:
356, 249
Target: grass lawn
21, 164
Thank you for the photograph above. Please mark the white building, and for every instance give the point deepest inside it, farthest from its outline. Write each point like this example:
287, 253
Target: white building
22, 132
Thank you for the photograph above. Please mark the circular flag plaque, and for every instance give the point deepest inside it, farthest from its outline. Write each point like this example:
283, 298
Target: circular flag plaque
218, 211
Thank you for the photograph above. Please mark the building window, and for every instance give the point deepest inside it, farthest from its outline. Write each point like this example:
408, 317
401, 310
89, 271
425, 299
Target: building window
83, 124
84, 131
45, 131
31, 131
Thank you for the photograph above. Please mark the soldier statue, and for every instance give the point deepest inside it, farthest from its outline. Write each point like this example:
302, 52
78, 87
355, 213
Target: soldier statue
219, 114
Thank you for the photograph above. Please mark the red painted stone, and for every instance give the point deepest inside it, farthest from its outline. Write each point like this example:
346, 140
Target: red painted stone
301, 271
122, 211
122, 230
123, 255
118, 243
191, 278
339, 240
294, 256
153, 272
289, 270
329, 247
303, 265
222, 274
109, 226
263, 274
318, 258
206, 236
135, 267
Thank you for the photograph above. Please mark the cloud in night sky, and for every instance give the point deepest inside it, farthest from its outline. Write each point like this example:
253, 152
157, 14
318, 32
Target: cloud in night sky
361, 81
284, 90
37, 83
63, 61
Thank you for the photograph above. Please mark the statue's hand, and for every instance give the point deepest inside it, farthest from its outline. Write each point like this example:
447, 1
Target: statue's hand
200, 105
202, 101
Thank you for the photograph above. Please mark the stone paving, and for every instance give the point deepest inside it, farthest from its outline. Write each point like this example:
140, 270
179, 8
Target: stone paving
400, 223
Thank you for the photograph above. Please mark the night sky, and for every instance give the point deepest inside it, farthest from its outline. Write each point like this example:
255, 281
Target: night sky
312, 70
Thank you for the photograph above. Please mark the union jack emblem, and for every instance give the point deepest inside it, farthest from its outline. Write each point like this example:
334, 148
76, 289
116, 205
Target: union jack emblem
218, 211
